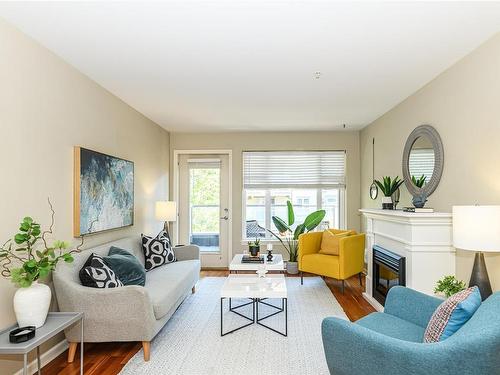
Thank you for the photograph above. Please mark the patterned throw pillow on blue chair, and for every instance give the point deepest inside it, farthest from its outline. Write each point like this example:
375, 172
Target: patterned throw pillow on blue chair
452, 314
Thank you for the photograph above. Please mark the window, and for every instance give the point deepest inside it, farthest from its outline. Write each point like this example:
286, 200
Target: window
311, 180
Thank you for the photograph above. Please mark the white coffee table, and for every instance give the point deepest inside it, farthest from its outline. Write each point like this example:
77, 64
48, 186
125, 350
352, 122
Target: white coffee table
257, 289
276, 264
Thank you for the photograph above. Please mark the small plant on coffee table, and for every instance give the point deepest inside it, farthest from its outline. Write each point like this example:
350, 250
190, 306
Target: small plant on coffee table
254, 247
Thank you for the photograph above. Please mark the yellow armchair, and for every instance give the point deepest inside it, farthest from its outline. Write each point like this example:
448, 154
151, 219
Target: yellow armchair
349, 262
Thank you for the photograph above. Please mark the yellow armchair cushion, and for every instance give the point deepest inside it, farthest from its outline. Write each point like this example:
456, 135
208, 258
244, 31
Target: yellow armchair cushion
330, 242
321, 264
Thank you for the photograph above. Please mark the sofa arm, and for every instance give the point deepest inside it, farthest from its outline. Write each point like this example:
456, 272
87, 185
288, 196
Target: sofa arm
351, 349
410, 305
107, 311
188, 252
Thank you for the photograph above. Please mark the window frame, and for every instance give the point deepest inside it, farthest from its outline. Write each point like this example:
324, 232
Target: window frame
268, 205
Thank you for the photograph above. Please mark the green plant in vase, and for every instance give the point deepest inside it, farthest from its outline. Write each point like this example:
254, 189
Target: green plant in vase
27, 258
289, 237
388, 186
449, 285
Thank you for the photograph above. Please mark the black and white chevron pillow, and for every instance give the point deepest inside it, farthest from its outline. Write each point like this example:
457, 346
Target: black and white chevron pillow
157, 251
96, 274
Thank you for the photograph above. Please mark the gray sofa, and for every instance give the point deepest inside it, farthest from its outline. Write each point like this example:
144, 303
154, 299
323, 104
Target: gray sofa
129, 313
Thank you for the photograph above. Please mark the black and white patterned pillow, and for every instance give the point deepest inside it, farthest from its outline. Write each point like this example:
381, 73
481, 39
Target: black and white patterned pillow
96, 274
157, 251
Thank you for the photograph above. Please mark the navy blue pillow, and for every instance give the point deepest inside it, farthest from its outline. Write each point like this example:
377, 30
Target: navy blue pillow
126, 266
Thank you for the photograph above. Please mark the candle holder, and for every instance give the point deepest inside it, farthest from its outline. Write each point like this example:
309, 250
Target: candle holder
269, 252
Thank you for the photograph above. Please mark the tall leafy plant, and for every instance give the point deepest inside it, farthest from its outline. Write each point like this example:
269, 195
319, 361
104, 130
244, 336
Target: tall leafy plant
388, 186
289, 237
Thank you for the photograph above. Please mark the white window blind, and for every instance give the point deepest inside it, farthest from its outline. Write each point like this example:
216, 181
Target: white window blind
278, 169
421, 162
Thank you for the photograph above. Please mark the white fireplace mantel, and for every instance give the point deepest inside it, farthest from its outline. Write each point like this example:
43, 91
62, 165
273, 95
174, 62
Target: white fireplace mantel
425, 239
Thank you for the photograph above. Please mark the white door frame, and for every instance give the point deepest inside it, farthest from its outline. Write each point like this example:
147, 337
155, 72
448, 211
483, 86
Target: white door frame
229, 153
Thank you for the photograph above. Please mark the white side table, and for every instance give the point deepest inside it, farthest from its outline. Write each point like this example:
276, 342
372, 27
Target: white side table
56, 322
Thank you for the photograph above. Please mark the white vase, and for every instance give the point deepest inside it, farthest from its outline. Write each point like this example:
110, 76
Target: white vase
387, 203
31, 305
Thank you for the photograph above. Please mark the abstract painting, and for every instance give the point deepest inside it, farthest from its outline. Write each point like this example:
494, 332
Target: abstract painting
103, 192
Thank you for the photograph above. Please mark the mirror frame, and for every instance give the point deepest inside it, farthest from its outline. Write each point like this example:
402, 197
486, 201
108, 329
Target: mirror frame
433, 136
373, 191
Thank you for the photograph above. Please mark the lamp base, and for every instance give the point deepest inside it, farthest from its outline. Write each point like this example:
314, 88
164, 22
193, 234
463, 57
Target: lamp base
167, 232
479, 276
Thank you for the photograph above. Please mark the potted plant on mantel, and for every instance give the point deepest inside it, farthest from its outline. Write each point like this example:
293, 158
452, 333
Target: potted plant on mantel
27, 258
290, 238
388, 186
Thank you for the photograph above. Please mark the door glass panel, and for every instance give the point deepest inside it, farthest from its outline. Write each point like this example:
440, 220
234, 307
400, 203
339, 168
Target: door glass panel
204, 205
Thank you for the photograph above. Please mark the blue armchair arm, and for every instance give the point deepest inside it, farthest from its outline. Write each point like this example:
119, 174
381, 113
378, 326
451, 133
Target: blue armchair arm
351, 349
410, 305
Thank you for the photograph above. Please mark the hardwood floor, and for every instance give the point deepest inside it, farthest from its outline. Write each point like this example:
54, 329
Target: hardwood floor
109, 358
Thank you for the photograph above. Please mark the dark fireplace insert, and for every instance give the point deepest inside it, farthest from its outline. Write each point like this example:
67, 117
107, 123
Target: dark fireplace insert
389, 269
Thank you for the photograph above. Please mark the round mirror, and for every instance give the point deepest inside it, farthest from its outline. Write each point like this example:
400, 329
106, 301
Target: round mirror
423, 161
373, 191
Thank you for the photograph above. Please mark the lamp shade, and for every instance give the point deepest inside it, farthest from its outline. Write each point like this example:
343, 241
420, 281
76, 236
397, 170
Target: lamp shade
166, 211
476, 228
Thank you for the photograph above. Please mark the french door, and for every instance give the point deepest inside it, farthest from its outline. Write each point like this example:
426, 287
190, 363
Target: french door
204, 206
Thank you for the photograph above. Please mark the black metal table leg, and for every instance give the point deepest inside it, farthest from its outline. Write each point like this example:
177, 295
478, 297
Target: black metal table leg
232, 309
284, 307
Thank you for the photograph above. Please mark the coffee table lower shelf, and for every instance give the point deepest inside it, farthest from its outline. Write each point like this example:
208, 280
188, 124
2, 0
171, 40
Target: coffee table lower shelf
254, 319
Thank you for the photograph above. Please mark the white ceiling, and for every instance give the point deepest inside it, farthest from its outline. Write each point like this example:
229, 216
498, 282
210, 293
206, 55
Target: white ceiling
250, 65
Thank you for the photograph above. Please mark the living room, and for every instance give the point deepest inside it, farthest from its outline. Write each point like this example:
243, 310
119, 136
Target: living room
252, 134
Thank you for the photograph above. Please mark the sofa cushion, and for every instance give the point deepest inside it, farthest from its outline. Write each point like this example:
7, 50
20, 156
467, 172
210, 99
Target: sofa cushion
166, 285
392, 326
452, 314
157, 251
96, 274
126, 266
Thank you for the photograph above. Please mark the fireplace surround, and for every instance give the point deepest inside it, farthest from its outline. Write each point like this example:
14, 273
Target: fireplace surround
423, 239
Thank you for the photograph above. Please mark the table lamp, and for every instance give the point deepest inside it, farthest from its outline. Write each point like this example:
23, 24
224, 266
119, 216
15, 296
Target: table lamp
166, 211
477, 228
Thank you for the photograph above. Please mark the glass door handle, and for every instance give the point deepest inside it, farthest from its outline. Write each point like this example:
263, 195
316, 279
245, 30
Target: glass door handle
226, 214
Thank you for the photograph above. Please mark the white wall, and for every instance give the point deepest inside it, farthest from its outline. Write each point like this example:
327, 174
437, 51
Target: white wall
46, 108
239, 142
463, 104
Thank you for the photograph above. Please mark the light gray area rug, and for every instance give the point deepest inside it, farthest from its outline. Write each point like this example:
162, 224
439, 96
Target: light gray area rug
190, 343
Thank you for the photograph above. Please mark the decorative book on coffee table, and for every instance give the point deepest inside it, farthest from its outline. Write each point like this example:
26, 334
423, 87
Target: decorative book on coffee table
251, 259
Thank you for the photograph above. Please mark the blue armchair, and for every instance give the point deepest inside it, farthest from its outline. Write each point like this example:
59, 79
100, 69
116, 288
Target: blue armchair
392, 342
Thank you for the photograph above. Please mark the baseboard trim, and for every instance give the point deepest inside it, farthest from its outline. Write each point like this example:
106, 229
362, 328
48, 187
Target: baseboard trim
372, 301
47, 357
